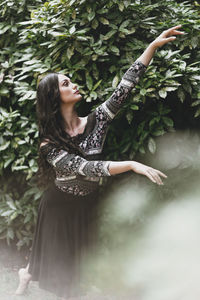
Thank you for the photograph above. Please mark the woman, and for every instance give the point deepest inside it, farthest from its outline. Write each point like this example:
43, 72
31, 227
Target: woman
70, 154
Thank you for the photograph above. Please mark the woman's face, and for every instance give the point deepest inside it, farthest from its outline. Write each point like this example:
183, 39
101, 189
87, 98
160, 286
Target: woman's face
68, 90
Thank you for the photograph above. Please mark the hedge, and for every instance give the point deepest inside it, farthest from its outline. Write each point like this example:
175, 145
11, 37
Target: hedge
94, 43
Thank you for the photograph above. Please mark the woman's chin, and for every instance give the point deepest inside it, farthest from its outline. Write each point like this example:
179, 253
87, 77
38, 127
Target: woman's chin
79, 97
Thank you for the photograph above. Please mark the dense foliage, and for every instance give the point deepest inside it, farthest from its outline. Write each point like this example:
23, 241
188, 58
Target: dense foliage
94, 43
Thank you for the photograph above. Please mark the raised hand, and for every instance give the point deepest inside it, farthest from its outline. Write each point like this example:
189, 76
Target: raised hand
167, 36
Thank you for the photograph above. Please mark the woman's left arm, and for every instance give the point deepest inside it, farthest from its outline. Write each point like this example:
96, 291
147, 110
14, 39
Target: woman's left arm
107, 110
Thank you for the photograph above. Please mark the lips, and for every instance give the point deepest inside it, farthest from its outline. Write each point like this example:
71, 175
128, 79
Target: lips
77, 92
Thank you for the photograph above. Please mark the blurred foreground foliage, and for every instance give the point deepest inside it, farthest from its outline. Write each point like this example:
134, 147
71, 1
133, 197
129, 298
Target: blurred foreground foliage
94, 43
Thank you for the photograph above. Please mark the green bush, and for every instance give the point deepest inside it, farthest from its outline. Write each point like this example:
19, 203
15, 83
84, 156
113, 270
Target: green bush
94, 43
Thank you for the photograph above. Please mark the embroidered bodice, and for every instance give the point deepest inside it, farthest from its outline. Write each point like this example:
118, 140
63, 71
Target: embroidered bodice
81, 174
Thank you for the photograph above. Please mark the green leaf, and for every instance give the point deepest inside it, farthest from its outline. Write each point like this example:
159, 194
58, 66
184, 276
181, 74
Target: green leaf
104, 21
88, 99
7, 162
115, 81
10, 233
143, 92
170, 88
6, 213
109, 34
18, 168
121, 6
126, 147
34, 169
152, 145
154, 121
197, 113
195, 103
91, 16
4, 91
114, 49
140, 127
14, 216
72, 29
158, 132
196, 77
95, 24
27, 218
142, 150
31, 162
11, 204
96, 85
4, 146
169, 122
89, 82
93, 95
6, 28
134, 107
70, 52
129, 117
162, 93
181, 94
165, 110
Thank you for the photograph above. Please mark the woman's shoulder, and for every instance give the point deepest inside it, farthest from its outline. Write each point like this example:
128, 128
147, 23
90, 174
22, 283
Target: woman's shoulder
45, 142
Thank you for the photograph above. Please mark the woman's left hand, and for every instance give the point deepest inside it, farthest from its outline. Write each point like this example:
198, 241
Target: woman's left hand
153, 174
167, 36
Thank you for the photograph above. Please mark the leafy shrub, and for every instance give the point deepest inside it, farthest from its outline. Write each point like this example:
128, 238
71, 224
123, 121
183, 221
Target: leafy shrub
94, 43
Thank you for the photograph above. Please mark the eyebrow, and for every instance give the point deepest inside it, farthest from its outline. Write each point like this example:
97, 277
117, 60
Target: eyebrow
65, 79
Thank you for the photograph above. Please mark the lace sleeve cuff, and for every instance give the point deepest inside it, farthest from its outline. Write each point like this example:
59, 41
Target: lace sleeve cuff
95, 168
71, 164
133, 74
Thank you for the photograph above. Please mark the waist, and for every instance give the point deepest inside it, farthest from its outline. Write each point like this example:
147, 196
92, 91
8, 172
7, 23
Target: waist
98, 180
75, 185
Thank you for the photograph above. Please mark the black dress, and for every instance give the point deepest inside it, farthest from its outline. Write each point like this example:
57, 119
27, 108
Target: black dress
66, 234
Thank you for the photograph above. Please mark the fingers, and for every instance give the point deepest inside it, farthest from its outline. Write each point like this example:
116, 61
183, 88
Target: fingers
154, 176
178, 32
161, 174
172, 30
176, 27
168, 39
150, 177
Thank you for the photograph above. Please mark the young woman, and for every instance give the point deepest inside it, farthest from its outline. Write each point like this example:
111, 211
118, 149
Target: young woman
71, 165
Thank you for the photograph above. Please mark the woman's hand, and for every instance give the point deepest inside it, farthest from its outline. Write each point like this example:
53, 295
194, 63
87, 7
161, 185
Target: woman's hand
152, 174
167, 36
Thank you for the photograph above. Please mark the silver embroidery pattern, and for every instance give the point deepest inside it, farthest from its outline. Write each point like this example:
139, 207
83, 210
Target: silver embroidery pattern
128, 81
70, 164
75, 174
93, 143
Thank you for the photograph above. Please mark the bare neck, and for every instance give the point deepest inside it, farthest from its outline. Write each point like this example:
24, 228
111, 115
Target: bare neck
73, 123
70, 117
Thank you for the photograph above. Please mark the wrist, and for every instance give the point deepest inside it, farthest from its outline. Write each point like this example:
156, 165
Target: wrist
133, 165
153, 45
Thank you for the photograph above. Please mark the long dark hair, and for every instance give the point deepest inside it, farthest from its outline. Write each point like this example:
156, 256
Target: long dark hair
51, 126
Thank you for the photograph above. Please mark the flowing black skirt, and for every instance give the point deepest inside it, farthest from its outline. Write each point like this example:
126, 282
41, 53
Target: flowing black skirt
65, 237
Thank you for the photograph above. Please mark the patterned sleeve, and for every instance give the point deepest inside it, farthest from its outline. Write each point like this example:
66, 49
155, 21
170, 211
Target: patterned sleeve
65, 163
108, 109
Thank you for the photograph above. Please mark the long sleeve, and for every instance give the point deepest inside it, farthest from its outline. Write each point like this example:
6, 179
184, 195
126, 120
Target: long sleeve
66, 164
107, 110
